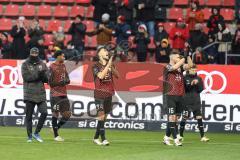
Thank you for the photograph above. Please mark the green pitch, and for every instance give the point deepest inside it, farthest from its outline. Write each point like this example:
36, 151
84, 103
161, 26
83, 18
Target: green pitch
125, 145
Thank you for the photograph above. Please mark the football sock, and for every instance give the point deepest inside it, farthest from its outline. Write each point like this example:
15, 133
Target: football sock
200, 126
182, 127
55, 126
172, 126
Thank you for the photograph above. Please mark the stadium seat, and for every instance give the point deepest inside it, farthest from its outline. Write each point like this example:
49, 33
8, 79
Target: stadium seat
89, 13
53, 25
168, 26
11, 10
6, 24
28, 11
4, 1
42, 23
228, 3
77, 10
48, 38
83, 1
34, 1
61, 11
201, 2
1, 9
207, 13
151, 45
44, 11
93, 42
50, 1
90, 25
213, 2
205, 28
180, 2
67, 25
228, 14
175, 13
66, 1
67, 39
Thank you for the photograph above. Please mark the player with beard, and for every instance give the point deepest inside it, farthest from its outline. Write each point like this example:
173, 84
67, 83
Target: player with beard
192, 102
103, 73
173, 93
58, 80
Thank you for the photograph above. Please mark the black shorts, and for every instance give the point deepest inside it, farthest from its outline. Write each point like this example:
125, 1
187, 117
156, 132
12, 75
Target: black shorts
194, 108
60, 104
174, 105
104, 104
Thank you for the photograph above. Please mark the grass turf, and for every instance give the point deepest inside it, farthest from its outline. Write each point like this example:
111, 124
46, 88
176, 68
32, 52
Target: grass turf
125, 145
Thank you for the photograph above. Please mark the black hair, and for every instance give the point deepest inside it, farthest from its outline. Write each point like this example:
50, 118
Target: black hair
80, 17
58, 53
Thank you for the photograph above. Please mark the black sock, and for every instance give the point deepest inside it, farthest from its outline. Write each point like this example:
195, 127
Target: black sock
62, 122
200, 126
40, 122
176, 128
168, 132
54, 126
97, 131
182, 127
102, 130
172, 126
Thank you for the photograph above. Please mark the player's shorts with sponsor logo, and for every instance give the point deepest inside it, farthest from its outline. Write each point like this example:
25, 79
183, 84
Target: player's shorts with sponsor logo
60, 104
174, 104
104, 104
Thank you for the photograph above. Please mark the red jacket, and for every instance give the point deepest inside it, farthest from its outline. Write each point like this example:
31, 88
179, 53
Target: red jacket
178, 40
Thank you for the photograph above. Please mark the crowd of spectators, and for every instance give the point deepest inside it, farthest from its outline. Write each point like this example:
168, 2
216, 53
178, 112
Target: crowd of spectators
119, 20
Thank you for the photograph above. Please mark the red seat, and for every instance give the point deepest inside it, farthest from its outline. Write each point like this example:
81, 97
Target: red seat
228, 14
207, 13
34, 1
90, 25
1, 9
175, 13
61, 11
28, 11
228, 3
4, 0
67, 39
44, 11
83, 1
169, 25
67, 1
67, 25
213, 3
90, 11
53, 25
48, 38
205, 28
201, 2
50, 1
180, 2
12, 10
151, 44
42, 23
77, 10
93, 42
6, 24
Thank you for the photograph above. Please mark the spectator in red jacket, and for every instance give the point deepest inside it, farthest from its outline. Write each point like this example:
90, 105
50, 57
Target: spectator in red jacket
179, 35
194, 14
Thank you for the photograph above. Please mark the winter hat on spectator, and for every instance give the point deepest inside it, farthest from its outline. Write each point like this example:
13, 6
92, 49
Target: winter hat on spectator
22, 18
34, 50
5, 34
122, 18
160, 24
126, 2
142, 26
105, 17
165, 41
198, 26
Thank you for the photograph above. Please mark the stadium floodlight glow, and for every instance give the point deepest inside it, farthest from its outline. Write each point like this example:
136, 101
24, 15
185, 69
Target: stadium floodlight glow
208, 81
13, 76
